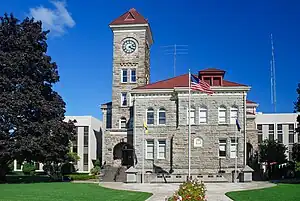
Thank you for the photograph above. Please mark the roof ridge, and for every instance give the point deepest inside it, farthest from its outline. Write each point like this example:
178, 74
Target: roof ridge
161, 81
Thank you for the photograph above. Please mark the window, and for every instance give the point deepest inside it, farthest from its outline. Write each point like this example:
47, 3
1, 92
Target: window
202, 115
124, 75
260, 134
133, 75
222, 114
291, 133
123, 98
19, 165
161, 149
271, 132
86, 136
192, 116
75, 141
149, 149
233, 148
217, 81
279, 133
233, 115
222, 148
161, 116
150, 116
123, 123
85, 147
85, 162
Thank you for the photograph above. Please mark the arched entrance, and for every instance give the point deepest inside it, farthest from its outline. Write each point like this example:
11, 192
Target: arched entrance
124, 152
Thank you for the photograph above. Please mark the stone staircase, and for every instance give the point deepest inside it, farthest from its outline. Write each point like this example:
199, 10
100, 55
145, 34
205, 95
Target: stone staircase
113, 174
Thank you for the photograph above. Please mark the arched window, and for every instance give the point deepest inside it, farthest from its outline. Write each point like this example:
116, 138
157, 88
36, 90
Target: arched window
161, 116
150, 116
192, 117
233, 114
222, 114
123, 122
202, 115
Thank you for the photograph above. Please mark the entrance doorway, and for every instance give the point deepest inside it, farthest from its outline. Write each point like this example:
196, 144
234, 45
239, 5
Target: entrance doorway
125, 153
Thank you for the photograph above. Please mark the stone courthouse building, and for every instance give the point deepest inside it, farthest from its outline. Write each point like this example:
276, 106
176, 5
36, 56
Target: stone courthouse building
163, 106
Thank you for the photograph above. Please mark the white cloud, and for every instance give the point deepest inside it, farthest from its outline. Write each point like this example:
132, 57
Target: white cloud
57, 20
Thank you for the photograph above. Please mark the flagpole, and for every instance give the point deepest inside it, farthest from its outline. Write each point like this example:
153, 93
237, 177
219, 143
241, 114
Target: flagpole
143, 153
189, 129
236, 154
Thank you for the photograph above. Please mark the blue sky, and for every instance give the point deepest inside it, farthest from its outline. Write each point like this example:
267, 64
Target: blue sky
232, 35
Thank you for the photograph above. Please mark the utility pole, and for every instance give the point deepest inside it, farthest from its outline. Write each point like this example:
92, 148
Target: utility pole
175, 50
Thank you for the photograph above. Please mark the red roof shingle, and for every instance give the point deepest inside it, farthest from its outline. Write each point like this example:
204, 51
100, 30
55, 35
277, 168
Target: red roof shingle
130, 17
180, 81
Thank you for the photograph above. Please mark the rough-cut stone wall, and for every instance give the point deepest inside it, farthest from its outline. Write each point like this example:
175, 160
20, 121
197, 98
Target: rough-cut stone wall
136, 60
252, 132
203, 159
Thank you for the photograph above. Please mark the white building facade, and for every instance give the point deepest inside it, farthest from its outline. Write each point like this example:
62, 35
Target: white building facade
280, 127
87, 143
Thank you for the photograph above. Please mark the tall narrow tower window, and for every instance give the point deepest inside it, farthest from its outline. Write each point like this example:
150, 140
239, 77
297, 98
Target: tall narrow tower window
133, 75
124, 99
124, 75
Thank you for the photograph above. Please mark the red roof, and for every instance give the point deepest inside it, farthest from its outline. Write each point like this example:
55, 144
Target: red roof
180, 81
250, 102
130, 17
212, 70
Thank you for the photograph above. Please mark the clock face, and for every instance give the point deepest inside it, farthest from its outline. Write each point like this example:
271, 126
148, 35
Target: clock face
129, 45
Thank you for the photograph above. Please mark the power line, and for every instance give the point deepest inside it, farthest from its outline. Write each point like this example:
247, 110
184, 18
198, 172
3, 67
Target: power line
175, 50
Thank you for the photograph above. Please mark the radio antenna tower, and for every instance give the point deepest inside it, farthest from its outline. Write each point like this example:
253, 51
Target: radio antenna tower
175, 50
273, 77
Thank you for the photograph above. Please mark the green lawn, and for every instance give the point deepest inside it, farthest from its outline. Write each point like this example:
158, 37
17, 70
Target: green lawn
282, 192
65, 192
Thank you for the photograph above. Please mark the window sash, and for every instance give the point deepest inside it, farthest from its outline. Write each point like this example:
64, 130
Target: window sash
123, 98
233, 148
133, 75
222, 148
202, 116
149, 149
162, 117
123, 123
150, 117
280, 138
222, 115
233, 116
161, 149
124, 75
192, 116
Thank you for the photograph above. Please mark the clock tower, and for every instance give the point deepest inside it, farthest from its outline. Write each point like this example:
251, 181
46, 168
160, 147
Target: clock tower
132, 39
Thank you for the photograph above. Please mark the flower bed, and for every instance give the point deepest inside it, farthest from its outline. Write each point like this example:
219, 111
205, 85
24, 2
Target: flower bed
190, 191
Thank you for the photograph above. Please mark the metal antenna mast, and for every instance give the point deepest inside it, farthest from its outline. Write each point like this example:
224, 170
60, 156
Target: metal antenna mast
175, 50
273, 77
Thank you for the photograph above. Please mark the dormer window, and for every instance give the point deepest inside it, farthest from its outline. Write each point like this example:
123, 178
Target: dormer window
212, 76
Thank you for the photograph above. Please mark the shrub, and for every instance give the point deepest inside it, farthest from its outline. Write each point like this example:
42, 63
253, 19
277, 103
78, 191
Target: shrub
190, 191
28, 168
81, 176
95, 170
67, 168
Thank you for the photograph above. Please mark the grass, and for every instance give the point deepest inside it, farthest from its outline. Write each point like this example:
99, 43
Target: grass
65, 191
282, 192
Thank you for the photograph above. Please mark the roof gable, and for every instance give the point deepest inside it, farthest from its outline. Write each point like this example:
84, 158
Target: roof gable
130, 17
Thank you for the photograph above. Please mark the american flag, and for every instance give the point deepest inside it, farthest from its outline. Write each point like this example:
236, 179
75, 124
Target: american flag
199, 85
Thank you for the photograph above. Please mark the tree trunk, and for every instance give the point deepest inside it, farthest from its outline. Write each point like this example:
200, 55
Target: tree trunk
2, 175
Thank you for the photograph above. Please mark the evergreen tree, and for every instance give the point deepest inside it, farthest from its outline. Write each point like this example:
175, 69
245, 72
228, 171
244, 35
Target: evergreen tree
31, 112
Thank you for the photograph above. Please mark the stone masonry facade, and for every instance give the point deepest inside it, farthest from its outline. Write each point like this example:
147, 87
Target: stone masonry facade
173, 98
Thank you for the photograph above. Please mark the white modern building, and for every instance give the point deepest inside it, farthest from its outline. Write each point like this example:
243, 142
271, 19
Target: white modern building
87, 143
280, 127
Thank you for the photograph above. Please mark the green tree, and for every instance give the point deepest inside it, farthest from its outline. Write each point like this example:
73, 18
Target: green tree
296, 152
271, 151
31, 112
